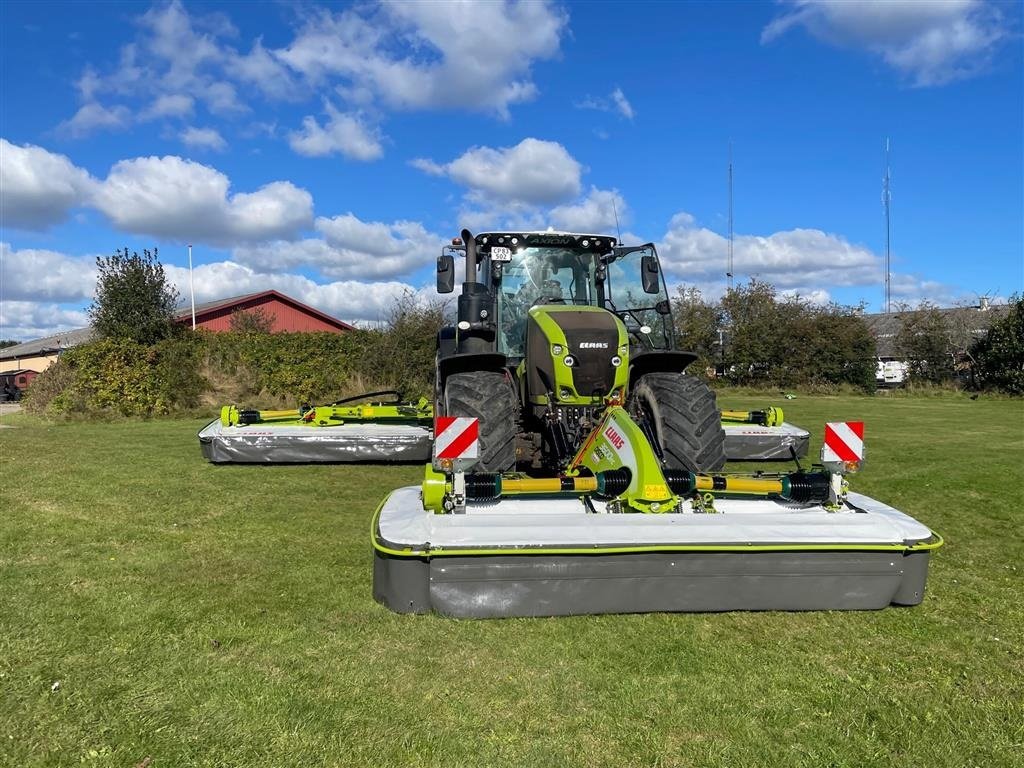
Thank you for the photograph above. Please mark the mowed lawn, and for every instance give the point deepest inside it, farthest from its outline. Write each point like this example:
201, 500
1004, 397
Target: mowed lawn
153, 605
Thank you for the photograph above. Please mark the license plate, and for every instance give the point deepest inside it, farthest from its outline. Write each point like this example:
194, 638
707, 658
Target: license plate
500, 253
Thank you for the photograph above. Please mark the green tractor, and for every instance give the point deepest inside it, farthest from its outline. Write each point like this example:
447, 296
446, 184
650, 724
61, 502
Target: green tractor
552, 329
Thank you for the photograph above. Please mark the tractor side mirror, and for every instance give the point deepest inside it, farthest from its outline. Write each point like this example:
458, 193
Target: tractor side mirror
649, 273
445, 273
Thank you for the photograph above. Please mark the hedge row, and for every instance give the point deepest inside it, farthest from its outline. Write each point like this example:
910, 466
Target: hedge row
192, 370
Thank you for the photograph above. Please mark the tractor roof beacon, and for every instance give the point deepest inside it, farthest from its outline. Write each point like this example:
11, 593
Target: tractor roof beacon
552, 326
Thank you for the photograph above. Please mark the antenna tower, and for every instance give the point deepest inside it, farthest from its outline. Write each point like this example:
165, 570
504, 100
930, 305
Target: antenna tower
728, 271
887, 202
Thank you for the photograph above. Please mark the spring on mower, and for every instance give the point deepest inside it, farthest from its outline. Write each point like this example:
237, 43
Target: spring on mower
613, 482
483, 487
808, 486
680, 481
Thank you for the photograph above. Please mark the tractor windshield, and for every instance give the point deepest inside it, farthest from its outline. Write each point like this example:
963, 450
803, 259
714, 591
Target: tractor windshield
647, 315
540, 276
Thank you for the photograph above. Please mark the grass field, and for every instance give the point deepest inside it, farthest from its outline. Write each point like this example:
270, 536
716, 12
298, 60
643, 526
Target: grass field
153, 605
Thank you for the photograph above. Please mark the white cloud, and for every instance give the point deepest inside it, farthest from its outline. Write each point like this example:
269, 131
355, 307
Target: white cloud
621, 104
595, 213
344, 134
260, 68
33, 274
807, 262
931, 41
349, 300
38, 188
92, 117
806, 259
203, 138
533, 172
349, 248
615, 102
186, 201
169, 105
177, 60
475, 56
27, 320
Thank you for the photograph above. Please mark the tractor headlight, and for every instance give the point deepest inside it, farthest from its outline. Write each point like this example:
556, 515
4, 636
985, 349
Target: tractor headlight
616, 361
624, 350
569, 361
557, 349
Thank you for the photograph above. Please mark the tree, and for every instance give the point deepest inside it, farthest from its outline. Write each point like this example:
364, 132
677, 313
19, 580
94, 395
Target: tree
259, 320
133, 298
925, 340
698, 323
4, 343
999, 355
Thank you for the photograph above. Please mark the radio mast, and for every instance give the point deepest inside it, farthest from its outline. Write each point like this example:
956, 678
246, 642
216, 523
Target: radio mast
887, 202
728, 271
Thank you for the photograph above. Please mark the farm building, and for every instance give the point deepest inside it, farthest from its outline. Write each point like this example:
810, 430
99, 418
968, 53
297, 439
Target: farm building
966, 325
13, 383
39, 354
286, 315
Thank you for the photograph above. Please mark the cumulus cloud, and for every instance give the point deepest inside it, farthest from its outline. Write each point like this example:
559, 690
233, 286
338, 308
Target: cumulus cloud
162, 196
792, 259
342, 133
37, 187
92, 117
27, 320
533, 172
178, 59
203, 138
475, 56
933, 42
602, 210
186, 201
169, 105
262, 69
349, 248
384, 54
616, 101
33, 274
348, 300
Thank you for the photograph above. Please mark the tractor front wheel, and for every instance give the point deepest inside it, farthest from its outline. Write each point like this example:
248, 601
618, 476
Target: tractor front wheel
489, 397
683, 413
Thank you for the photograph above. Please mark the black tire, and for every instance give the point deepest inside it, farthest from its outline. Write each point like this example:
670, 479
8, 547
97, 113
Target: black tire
683, 412
489, 397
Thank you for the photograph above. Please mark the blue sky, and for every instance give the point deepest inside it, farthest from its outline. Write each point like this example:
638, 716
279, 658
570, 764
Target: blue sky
330, 150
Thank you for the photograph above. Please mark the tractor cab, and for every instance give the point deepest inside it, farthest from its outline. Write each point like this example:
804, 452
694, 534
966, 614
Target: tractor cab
520, 271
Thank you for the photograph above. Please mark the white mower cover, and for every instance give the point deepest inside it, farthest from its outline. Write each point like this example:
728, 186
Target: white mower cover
291, 444
753, 442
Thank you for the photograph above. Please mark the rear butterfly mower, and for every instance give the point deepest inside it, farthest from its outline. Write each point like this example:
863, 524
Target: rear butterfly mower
577, 468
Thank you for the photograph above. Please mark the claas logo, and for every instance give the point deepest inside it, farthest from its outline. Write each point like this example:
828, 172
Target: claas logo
614, 438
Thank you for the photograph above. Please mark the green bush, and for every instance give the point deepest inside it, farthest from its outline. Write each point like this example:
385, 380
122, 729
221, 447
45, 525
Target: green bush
121, 377
248, 368
999, 355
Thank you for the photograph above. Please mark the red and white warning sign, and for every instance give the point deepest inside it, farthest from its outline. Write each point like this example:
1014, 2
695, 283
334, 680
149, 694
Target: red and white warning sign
844, 441
456, 437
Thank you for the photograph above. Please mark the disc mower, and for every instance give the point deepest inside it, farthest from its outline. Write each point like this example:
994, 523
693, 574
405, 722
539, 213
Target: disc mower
577, 466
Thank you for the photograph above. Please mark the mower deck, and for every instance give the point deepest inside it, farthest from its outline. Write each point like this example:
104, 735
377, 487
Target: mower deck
550, 557
291, 444
753, 442
367, 442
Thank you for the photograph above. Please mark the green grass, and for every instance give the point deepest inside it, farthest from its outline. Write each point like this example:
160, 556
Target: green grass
222, 616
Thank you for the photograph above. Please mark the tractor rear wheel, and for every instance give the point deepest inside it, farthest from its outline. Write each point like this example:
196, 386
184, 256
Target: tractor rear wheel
683, 413
489, 397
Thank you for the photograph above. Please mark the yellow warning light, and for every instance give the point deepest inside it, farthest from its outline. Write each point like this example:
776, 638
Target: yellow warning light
447, 465
456, 241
